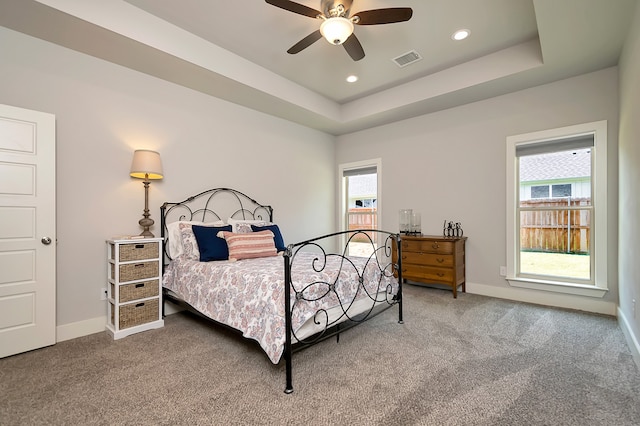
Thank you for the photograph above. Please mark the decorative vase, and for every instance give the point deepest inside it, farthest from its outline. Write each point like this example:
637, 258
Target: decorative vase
405, 220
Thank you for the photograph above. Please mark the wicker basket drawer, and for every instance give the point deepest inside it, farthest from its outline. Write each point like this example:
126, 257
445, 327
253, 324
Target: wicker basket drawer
136, 271
138, 313
136, 251
135, 291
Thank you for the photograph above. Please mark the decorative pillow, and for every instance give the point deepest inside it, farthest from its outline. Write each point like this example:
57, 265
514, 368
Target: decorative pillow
277, 235
249, 246
175, 236
189, 243
209, 245
243, 226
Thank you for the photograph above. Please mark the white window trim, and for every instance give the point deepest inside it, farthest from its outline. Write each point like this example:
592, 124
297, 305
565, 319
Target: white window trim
599, 239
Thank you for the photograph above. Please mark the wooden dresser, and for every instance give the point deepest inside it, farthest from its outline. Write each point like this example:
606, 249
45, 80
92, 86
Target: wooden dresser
431, 259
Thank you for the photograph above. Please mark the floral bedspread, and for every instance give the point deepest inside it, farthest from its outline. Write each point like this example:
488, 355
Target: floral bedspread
249, 294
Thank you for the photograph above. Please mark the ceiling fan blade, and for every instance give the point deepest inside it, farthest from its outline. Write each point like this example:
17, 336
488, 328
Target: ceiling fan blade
294, 7
384, 16
353, 47
305, 42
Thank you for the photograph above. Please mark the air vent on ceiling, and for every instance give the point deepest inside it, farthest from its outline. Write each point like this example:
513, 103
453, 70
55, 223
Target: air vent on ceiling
407, 58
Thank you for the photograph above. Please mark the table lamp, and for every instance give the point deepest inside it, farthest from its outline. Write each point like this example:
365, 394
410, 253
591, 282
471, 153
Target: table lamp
146, 165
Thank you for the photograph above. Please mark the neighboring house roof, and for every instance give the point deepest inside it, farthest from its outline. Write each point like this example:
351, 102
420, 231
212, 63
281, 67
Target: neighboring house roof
363, 186
556, 165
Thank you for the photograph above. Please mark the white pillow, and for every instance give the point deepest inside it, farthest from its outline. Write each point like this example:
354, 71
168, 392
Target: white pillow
243, 226
175, 236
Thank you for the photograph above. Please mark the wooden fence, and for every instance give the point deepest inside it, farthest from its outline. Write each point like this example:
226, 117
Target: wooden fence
362, 218
556, 231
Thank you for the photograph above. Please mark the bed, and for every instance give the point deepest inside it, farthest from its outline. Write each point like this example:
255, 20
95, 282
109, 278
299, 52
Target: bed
225, 259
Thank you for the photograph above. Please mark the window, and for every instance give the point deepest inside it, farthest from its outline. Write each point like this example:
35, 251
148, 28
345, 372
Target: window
558, 191
540, 191
366, 202
359, 198
556, 210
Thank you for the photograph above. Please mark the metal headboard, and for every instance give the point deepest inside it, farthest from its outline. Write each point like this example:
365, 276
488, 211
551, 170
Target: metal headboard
213, 204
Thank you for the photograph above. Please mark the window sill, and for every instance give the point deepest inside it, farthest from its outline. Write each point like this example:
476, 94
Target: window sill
558, 287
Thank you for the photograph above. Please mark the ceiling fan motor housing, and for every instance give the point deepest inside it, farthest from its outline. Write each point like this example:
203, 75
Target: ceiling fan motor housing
332, 8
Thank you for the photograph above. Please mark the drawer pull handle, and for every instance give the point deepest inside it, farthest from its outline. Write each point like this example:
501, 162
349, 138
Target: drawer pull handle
440, 260
139, 305
440, 274
435, 245
404, 257
420, 253
139, 246
139, 265
139, 285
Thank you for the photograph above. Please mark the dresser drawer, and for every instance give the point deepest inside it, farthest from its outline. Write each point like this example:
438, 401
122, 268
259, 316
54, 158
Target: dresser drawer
136, 251
442, 247
427, 274
431, 259
136, 271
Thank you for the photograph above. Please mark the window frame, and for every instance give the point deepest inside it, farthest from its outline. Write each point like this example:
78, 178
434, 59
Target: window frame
343, 195
599, 219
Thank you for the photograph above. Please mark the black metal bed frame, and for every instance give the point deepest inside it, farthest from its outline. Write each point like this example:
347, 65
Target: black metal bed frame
383, 244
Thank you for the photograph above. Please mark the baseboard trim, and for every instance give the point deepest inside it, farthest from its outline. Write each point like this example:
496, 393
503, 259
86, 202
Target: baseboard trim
557, 300
80, 328
95, 325
632, 341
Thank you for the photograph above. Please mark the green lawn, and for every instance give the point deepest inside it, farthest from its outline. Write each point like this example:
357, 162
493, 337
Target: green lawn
558, 264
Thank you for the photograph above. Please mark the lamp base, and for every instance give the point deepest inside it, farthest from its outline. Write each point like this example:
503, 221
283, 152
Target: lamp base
146, 223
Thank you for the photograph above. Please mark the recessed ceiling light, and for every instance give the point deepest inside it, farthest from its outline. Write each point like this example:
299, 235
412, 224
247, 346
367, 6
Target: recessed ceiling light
460, 34
352, 78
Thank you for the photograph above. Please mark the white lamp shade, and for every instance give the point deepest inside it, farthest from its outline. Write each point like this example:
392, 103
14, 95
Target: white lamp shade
146, 165
336, 30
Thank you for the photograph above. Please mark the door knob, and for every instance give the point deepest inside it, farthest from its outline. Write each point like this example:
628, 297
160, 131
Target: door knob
46, 241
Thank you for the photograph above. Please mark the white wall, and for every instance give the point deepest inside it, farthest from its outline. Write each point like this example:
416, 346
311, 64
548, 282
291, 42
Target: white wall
104, 112
452, 164
456, 157
629, 185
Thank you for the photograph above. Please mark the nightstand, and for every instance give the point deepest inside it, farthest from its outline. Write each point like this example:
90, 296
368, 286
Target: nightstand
134, 277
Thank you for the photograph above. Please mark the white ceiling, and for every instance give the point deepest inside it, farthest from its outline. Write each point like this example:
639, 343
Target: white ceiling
236, 50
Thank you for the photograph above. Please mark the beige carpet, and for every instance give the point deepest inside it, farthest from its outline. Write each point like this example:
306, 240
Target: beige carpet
467, 361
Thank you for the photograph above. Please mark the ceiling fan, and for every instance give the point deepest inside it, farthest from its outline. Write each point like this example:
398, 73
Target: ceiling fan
337, 23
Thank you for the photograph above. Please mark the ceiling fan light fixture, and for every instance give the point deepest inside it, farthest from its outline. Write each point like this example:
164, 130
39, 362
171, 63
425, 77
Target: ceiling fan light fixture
336, 30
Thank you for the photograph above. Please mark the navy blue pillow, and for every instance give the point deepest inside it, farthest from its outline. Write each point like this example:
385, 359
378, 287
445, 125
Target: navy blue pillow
210, 245
277, 236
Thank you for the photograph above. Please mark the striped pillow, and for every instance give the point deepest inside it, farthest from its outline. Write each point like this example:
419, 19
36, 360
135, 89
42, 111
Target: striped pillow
249, 246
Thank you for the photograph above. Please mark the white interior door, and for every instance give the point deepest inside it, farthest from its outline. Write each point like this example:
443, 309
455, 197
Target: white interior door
27, 230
